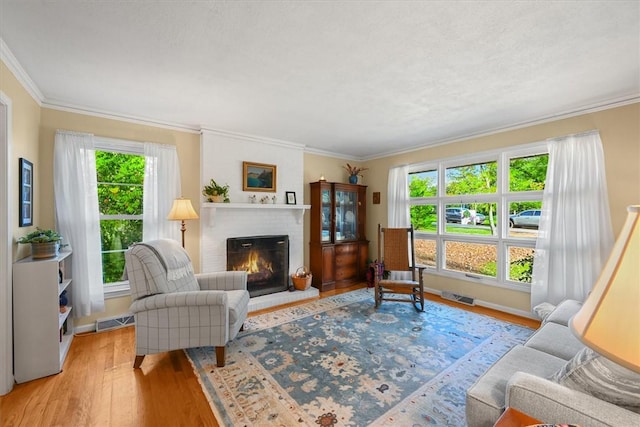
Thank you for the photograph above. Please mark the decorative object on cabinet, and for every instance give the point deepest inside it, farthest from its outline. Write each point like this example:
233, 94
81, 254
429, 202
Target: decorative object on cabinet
26, 193
181, 210
354, 172
291, 197
43, 329
258, 177
44, 243
216, 193
338, 243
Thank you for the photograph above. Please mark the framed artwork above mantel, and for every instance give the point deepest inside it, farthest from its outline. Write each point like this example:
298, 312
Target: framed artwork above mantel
259, 177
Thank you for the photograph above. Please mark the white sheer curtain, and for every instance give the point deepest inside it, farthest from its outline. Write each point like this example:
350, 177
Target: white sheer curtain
78, 218
398, 197
575, 234
398, 206
161, 187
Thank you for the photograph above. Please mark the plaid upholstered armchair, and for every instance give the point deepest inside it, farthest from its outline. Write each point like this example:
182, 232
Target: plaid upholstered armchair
175, 308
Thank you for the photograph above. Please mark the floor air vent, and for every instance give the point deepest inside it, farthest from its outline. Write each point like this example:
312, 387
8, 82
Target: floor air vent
458, 298
114, 322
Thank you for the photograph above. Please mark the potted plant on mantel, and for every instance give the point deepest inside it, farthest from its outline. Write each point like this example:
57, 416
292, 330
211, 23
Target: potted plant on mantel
44, 243
216, 193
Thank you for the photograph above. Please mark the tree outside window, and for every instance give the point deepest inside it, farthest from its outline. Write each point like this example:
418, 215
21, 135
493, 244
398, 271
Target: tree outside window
461, 212
120, 198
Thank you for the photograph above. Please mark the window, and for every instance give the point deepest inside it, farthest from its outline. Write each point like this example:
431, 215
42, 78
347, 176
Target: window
476, 217
120, 179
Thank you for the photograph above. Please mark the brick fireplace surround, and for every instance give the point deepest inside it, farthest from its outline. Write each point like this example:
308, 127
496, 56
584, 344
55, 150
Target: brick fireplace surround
222, 221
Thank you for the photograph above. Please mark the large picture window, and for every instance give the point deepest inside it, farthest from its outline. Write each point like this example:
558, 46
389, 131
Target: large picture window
476, 217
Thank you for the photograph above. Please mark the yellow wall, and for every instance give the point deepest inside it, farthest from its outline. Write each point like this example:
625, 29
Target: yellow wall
33, 136
620, 133
26, 119
187, 145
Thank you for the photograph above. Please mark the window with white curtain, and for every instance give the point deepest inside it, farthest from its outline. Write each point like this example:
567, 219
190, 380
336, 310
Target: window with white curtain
137, 183
466, 213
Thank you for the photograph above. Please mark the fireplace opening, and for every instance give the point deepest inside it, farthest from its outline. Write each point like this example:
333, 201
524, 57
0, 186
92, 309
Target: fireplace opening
264, 258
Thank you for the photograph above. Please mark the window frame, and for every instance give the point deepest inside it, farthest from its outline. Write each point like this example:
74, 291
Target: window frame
120, 288
501, 198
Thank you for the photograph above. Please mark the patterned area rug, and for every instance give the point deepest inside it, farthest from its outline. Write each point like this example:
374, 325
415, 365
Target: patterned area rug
337, 361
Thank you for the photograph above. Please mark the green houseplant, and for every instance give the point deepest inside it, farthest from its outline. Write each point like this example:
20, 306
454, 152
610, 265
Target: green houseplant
216, 193
44, 243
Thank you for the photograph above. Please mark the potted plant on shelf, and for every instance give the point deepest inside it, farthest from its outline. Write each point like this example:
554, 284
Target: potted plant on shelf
216, 193
44, 243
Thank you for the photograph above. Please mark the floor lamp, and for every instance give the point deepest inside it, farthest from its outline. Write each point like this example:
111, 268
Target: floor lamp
180, 211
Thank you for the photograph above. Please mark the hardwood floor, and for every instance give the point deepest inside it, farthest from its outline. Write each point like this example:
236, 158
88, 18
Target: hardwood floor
99, 387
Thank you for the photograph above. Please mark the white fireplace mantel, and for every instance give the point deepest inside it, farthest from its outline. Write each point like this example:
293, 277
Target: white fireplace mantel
297, 210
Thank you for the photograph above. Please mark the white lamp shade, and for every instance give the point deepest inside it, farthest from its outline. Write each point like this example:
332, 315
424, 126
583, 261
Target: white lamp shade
181, 210
609, 320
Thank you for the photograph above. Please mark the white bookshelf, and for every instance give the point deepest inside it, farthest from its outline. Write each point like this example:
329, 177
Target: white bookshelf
42, 333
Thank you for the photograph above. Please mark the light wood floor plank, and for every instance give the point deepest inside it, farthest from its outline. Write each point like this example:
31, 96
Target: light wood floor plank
99, 387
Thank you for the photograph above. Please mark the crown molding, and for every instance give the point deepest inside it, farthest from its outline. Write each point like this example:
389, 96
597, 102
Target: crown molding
593, 108
253, 138
60, 106
21, 75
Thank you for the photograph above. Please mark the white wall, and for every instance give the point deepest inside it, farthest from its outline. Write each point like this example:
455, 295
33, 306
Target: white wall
222, 155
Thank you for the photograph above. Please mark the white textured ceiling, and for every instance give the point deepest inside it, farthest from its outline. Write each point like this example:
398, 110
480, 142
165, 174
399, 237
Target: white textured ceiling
355, 78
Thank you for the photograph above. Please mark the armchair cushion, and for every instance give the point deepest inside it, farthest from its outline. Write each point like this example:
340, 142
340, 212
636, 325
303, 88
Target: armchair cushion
222, 280
180, 299
167, 265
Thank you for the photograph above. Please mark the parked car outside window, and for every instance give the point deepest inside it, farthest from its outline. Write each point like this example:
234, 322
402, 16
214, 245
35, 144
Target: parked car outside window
529, 218
463, 216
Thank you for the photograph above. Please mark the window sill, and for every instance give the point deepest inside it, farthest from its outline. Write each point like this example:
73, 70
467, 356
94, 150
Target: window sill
122, 289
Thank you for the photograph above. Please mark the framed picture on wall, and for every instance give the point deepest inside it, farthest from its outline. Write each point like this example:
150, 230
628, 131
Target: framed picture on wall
26, 193
258, 177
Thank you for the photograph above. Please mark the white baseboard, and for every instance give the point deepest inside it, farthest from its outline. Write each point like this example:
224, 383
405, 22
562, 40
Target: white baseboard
492, 306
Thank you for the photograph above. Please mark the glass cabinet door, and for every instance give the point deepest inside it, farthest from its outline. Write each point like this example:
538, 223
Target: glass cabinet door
326, 215
346, 211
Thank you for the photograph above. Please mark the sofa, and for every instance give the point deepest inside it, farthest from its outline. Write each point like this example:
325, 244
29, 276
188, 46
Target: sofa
544, 379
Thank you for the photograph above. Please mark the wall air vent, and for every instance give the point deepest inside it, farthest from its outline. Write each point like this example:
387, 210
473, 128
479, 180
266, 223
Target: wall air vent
109, 323
458, 298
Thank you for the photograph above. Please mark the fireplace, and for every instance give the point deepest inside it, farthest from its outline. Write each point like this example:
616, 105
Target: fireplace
266, 260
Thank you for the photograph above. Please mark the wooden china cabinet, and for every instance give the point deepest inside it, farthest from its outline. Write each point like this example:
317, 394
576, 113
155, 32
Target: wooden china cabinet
338, 245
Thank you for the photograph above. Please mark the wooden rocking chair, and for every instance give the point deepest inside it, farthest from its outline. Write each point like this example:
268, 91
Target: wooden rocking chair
396, 250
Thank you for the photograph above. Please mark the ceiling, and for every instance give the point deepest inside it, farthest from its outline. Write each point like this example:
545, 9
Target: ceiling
358, 79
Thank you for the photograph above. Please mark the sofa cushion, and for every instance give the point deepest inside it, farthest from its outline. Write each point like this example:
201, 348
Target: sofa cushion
543, 310
564, 312
555, 339
486, 398
594, 374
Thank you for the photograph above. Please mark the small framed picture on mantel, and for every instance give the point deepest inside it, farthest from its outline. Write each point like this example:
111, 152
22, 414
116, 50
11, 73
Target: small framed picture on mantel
290, 197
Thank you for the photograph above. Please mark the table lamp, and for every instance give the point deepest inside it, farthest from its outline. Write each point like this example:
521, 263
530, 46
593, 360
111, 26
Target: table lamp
181, 210
609, 320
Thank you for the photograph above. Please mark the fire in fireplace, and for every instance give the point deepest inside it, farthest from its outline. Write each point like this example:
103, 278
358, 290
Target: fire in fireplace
264, 258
